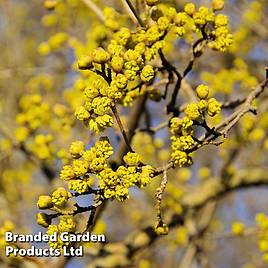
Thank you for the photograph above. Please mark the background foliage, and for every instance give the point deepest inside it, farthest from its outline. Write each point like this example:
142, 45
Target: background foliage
214, 209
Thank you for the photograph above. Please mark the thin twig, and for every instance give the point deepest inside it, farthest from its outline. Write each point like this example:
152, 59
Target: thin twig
135, 13
119, 122
129, 11
159, 195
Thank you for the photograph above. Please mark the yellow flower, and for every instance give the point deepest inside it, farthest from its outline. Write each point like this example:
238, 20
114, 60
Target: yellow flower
122, 36
101, 105
182, 143
192, 111
43, 49
117, 63
181, 158
60, 196
121, 193
214, 107
49, 20
50, 4
77, 149
81, 113
100, 123
66, 224
113, 92
79, 186
238, 228
121, 81
161, 229
67, 173
100, 55
22, 133
80, 167
132, 159
163, 23
217, 5
147, 73
189, 9
57, 40
204, 173
263, 245
181, 19
181, 126
221, 20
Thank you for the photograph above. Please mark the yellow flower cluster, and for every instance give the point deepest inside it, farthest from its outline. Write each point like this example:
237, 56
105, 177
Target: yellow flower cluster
90, 161
117, 74
56, 202
125, 63
226, 80
80, 186
196, 20
66, 224
195, 111
182, 129
41, 147
262, 224
99, 98
7, 226
132, 159
54, 43
223, 37
115, 184
181, 140
33, 114
113, 19
50, 4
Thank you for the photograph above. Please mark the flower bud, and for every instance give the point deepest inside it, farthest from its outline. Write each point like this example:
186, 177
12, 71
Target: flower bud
161, 229
117, 64
202, 92
217, 5
189, 9
214, 107
85, 63
50, 4
238, 228
43, 219
44, 202
100, 55
77, 149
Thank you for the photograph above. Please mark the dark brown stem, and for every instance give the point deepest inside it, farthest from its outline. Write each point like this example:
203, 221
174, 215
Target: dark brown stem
119, 122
